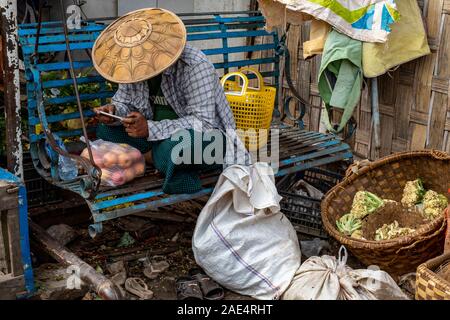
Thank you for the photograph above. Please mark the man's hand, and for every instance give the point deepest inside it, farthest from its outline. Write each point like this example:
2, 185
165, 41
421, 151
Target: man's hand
105, 119
136, 125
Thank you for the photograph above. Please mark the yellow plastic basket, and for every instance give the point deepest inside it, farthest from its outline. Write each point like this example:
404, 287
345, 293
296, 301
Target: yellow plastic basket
252, 107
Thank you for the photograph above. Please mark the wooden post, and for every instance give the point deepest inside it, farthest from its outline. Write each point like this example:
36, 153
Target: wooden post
8, 28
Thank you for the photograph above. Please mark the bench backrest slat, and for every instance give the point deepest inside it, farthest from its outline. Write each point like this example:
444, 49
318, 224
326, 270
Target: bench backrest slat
227, 34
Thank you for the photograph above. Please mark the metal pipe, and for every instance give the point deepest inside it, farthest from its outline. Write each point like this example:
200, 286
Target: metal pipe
11, 80
102, 285
38, 34
375, 113
95, 229
75, 83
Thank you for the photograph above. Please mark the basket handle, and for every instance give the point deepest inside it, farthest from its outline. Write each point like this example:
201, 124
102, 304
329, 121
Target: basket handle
258, 76
244, 81
440, 155
355, 167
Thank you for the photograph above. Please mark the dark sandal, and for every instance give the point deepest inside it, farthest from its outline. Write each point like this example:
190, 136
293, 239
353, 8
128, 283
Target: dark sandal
188, 289
210, 289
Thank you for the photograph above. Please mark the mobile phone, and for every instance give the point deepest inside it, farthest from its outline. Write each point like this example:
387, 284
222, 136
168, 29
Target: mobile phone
111, 115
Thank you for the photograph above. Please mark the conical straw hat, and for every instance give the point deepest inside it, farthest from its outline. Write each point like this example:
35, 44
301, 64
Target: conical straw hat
139, 45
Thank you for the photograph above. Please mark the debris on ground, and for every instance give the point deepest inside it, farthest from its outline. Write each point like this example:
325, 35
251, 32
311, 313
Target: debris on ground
116, 267
138, 228
62, 233
407, 283
125, 241
169, 243
313, 247
56, 282
139, 288
303, 188
155, 266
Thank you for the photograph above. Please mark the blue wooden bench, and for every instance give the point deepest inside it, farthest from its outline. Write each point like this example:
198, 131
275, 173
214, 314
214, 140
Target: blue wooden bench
298, 150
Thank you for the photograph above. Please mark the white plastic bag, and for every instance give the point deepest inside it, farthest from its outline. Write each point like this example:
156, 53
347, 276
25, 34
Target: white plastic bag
120, 163
242, 240
328, 278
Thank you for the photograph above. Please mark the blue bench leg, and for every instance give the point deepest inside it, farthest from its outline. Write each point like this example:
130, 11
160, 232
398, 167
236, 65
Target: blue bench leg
25, 242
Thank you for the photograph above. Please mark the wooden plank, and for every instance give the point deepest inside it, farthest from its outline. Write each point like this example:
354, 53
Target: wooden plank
433, 19
364, 102
316, 101
314, 88
11, 286
387, 85
304, 76
437, 121
362, 136
387, 110
447, 141
440, 85
364, 122
7, 201
419, 117
387, 132
14, 242
443, 68
5, 252
293, 40
403, 104
418, 136
399, 145
314, 122
1, 66
4, 263
9, 223
423, 82
440, 102
446, 7
362, 150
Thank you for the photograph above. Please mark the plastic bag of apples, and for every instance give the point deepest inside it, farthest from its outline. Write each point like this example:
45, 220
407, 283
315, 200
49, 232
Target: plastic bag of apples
120, 163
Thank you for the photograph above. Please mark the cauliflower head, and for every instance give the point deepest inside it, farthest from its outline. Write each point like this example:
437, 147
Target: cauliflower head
365, 203
413, 193
433, 204
348, 224
391, 231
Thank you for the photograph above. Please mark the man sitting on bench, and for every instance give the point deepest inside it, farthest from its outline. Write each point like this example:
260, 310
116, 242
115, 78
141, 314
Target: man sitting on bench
165, 85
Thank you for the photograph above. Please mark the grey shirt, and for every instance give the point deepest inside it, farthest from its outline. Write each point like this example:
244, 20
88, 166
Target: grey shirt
192, 88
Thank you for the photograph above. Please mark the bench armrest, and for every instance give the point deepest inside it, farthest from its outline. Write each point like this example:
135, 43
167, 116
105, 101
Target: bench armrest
90, 183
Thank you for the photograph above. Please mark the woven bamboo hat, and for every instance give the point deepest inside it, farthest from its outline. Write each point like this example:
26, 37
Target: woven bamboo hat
139, 45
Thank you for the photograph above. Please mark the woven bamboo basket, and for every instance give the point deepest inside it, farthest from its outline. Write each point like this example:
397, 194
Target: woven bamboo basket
386, 178
429, 285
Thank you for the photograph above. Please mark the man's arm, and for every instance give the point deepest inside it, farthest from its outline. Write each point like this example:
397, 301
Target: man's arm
200, 104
